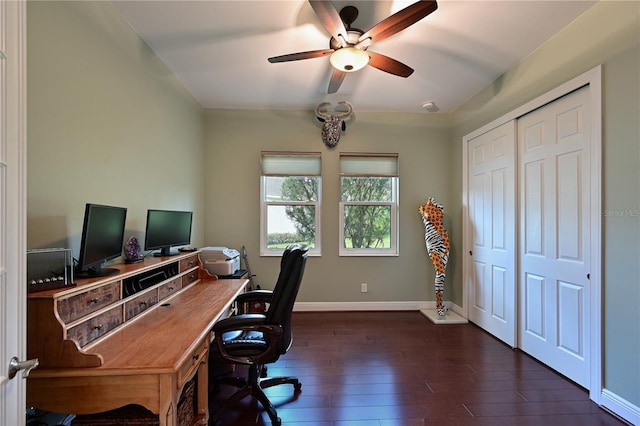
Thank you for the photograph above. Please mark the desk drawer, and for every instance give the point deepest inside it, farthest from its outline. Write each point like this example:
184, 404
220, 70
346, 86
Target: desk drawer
167, 289
189, 278
95, 327
192, 363
79, 305
188, 263
139, 304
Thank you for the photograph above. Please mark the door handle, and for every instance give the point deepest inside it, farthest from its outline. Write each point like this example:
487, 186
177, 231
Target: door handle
26, 366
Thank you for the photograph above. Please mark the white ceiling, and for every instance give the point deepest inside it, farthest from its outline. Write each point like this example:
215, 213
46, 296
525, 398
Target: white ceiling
219, 49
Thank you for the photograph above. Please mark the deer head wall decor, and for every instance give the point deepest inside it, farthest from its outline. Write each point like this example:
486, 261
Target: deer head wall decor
333, 123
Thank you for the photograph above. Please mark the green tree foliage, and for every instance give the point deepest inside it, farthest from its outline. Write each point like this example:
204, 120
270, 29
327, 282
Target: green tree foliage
366, 226
301, 188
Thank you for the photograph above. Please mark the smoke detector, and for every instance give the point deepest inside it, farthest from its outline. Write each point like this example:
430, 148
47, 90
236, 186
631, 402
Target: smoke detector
430, 106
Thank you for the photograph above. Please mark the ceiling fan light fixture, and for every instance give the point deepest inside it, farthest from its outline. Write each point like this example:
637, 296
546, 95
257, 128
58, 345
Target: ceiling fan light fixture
349, 59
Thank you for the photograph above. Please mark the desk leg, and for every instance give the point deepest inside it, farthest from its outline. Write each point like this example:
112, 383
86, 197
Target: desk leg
203, 390
170, 398
168, 415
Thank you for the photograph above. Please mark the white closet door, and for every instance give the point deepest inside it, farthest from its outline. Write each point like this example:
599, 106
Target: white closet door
554, 205
491, 229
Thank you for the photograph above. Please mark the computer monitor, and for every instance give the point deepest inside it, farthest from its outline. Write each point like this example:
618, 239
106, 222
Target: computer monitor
166, 229
101, 240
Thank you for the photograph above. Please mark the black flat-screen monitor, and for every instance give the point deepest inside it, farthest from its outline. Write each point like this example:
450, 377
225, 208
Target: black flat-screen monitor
102, 238
166, 229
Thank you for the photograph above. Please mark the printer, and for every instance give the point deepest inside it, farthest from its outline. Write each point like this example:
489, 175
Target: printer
220, 260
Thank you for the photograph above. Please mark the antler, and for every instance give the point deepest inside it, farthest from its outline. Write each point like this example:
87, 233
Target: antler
347, 113
320, 114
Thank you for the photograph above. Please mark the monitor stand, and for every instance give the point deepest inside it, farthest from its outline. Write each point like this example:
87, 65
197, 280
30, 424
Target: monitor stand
95, 272
166, 251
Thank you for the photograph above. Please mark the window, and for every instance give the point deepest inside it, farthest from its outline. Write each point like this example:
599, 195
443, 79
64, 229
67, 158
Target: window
368, 204
290, 188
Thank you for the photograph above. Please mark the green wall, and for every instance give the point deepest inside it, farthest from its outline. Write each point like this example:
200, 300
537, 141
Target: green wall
107, 123
234, 142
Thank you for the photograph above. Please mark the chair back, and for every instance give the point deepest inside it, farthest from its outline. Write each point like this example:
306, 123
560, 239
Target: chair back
285, 291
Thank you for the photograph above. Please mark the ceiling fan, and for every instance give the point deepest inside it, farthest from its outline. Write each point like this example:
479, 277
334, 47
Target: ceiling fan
348, 46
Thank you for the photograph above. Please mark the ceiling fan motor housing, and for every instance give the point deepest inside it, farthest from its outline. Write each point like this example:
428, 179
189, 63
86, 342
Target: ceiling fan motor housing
353, 37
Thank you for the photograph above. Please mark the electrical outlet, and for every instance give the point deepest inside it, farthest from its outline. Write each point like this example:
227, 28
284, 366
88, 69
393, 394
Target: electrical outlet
363, 288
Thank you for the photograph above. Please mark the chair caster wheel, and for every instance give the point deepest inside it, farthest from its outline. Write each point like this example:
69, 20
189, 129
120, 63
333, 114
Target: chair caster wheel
278, 422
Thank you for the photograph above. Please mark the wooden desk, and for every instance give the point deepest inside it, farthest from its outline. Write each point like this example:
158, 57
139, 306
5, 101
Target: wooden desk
146, 361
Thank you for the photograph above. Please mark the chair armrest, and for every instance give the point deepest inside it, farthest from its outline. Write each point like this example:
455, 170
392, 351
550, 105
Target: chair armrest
248, 322
238, 323
257, 298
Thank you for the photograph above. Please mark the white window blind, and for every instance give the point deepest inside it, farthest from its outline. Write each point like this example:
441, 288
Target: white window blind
291, 163
382, 165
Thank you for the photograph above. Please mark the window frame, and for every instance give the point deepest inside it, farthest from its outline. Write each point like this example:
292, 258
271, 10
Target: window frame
289, 167
374, 165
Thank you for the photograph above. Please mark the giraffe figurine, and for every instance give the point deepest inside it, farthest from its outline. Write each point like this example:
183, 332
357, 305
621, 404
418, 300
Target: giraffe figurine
437, 241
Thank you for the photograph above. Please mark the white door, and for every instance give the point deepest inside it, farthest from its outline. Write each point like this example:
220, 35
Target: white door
554, 204
491, 228
12, 208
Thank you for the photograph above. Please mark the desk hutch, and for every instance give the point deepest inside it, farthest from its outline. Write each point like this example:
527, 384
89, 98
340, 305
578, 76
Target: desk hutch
136, 337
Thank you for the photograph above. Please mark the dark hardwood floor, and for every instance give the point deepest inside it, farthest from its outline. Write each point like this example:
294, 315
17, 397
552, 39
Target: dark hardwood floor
399, 369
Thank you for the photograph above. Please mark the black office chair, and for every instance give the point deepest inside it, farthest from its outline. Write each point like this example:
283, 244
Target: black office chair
256, 339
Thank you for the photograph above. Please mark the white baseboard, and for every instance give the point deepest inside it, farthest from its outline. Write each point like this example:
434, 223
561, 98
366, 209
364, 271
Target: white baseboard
372, 306
620, 407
